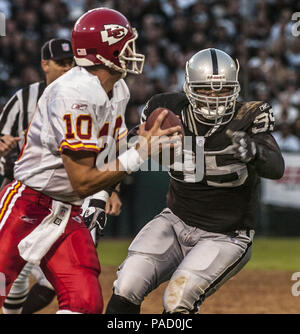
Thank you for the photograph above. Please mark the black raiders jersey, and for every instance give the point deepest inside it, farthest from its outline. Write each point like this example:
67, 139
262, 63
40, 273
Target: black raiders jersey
224, 198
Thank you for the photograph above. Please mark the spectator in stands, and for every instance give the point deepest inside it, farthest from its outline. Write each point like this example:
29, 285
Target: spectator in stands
286, 140
296, 128
261, 30
256, 32
154, 69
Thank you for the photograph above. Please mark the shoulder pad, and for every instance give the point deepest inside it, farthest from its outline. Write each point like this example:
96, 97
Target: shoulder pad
247, 109
254, 116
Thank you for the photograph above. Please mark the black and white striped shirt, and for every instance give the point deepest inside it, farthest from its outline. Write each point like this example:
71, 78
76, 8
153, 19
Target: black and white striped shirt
19, 110
15, 118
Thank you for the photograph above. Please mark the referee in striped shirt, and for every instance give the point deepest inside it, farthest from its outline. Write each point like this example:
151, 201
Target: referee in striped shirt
56, 59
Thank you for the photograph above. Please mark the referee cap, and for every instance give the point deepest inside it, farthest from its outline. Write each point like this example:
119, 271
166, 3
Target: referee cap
57, 49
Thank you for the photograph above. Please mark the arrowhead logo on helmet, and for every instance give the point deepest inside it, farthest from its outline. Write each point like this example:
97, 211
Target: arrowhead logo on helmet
113, 33
105, 36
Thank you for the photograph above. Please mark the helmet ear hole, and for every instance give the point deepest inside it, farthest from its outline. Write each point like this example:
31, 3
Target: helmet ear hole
116, 53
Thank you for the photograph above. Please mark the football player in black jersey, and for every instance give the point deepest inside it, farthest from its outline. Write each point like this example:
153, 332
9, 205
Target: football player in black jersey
204, 236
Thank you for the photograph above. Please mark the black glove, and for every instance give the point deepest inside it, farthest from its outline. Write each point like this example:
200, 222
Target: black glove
95, 216
244, 148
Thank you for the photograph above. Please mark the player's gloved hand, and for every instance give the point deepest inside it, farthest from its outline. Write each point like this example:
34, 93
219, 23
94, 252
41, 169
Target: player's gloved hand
95, 216
244, 148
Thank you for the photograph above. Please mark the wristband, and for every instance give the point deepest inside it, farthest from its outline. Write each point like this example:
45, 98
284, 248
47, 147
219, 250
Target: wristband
131, 160
102, 195
112, 189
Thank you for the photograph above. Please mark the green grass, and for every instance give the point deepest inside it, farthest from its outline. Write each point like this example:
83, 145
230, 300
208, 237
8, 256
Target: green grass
268, 253
275, 254
112, 252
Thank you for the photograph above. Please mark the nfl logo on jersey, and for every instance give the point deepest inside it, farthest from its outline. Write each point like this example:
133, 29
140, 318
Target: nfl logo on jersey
63, 212
65, 47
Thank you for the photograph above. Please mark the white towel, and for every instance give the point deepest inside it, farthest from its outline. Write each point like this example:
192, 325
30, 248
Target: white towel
36, 245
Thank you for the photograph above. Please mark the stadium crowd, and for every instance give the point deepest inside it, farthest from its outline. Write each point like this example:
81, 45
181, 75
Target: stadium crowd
258, 33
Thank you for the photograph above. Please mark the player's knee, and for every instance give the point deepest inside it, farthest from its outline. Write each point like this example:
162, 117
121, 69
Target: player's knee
82, 291
183, 293
82, 295
133, 285
92, 294
125, 288
91, 301
96, 302
92, 304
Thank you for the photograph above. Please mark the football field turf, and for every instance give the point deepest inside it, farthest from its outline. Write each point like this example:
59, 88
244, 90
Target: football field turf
268, 253
275, 254
264, 286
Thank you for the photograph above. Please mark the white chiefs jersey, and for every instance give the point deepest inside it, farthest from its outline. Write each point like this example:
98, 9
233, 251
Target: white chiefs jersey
74, 113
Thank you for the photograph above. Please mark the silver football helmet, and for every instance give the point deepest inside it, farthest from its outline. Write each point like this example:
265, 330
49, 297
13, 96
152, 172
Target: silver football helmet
211, 71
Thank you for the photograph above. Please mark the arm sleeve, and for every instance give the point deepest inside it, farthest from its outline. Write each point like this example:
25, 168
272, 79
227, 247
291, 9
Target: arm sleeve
121, 129
9, 117
269, 162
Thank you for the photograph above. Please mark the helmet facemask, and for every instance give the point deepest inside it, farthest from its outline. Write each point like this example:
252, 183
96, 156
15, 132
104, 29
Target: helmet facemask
212, 86
130, 61
213, 110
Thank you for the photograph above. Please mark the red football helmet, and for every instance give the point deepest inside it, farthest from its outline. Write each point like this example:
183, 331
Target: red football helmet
104, 36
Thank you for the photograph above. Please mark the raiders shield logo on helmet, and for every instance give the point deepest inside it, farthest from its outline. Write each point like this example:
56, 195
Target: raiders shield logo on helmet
113, 33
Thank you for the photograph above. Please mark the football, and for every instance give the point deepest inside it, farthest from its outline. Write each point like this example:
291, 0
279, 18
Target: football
170, 120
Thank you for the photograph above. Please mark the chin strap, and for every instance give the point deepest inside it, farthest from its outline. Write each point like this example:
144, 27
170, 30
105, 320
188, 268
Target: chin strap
211, 131
191, 123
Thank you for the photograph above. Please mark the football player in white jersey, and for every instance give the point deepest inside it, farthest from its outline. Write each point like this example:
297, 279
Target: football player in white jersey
56, 59
63, 161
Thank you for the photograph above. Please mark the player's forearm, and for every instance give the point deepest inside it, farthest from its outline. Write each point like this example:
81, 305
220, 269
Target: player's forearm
269, 162
85, 178
94, 180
